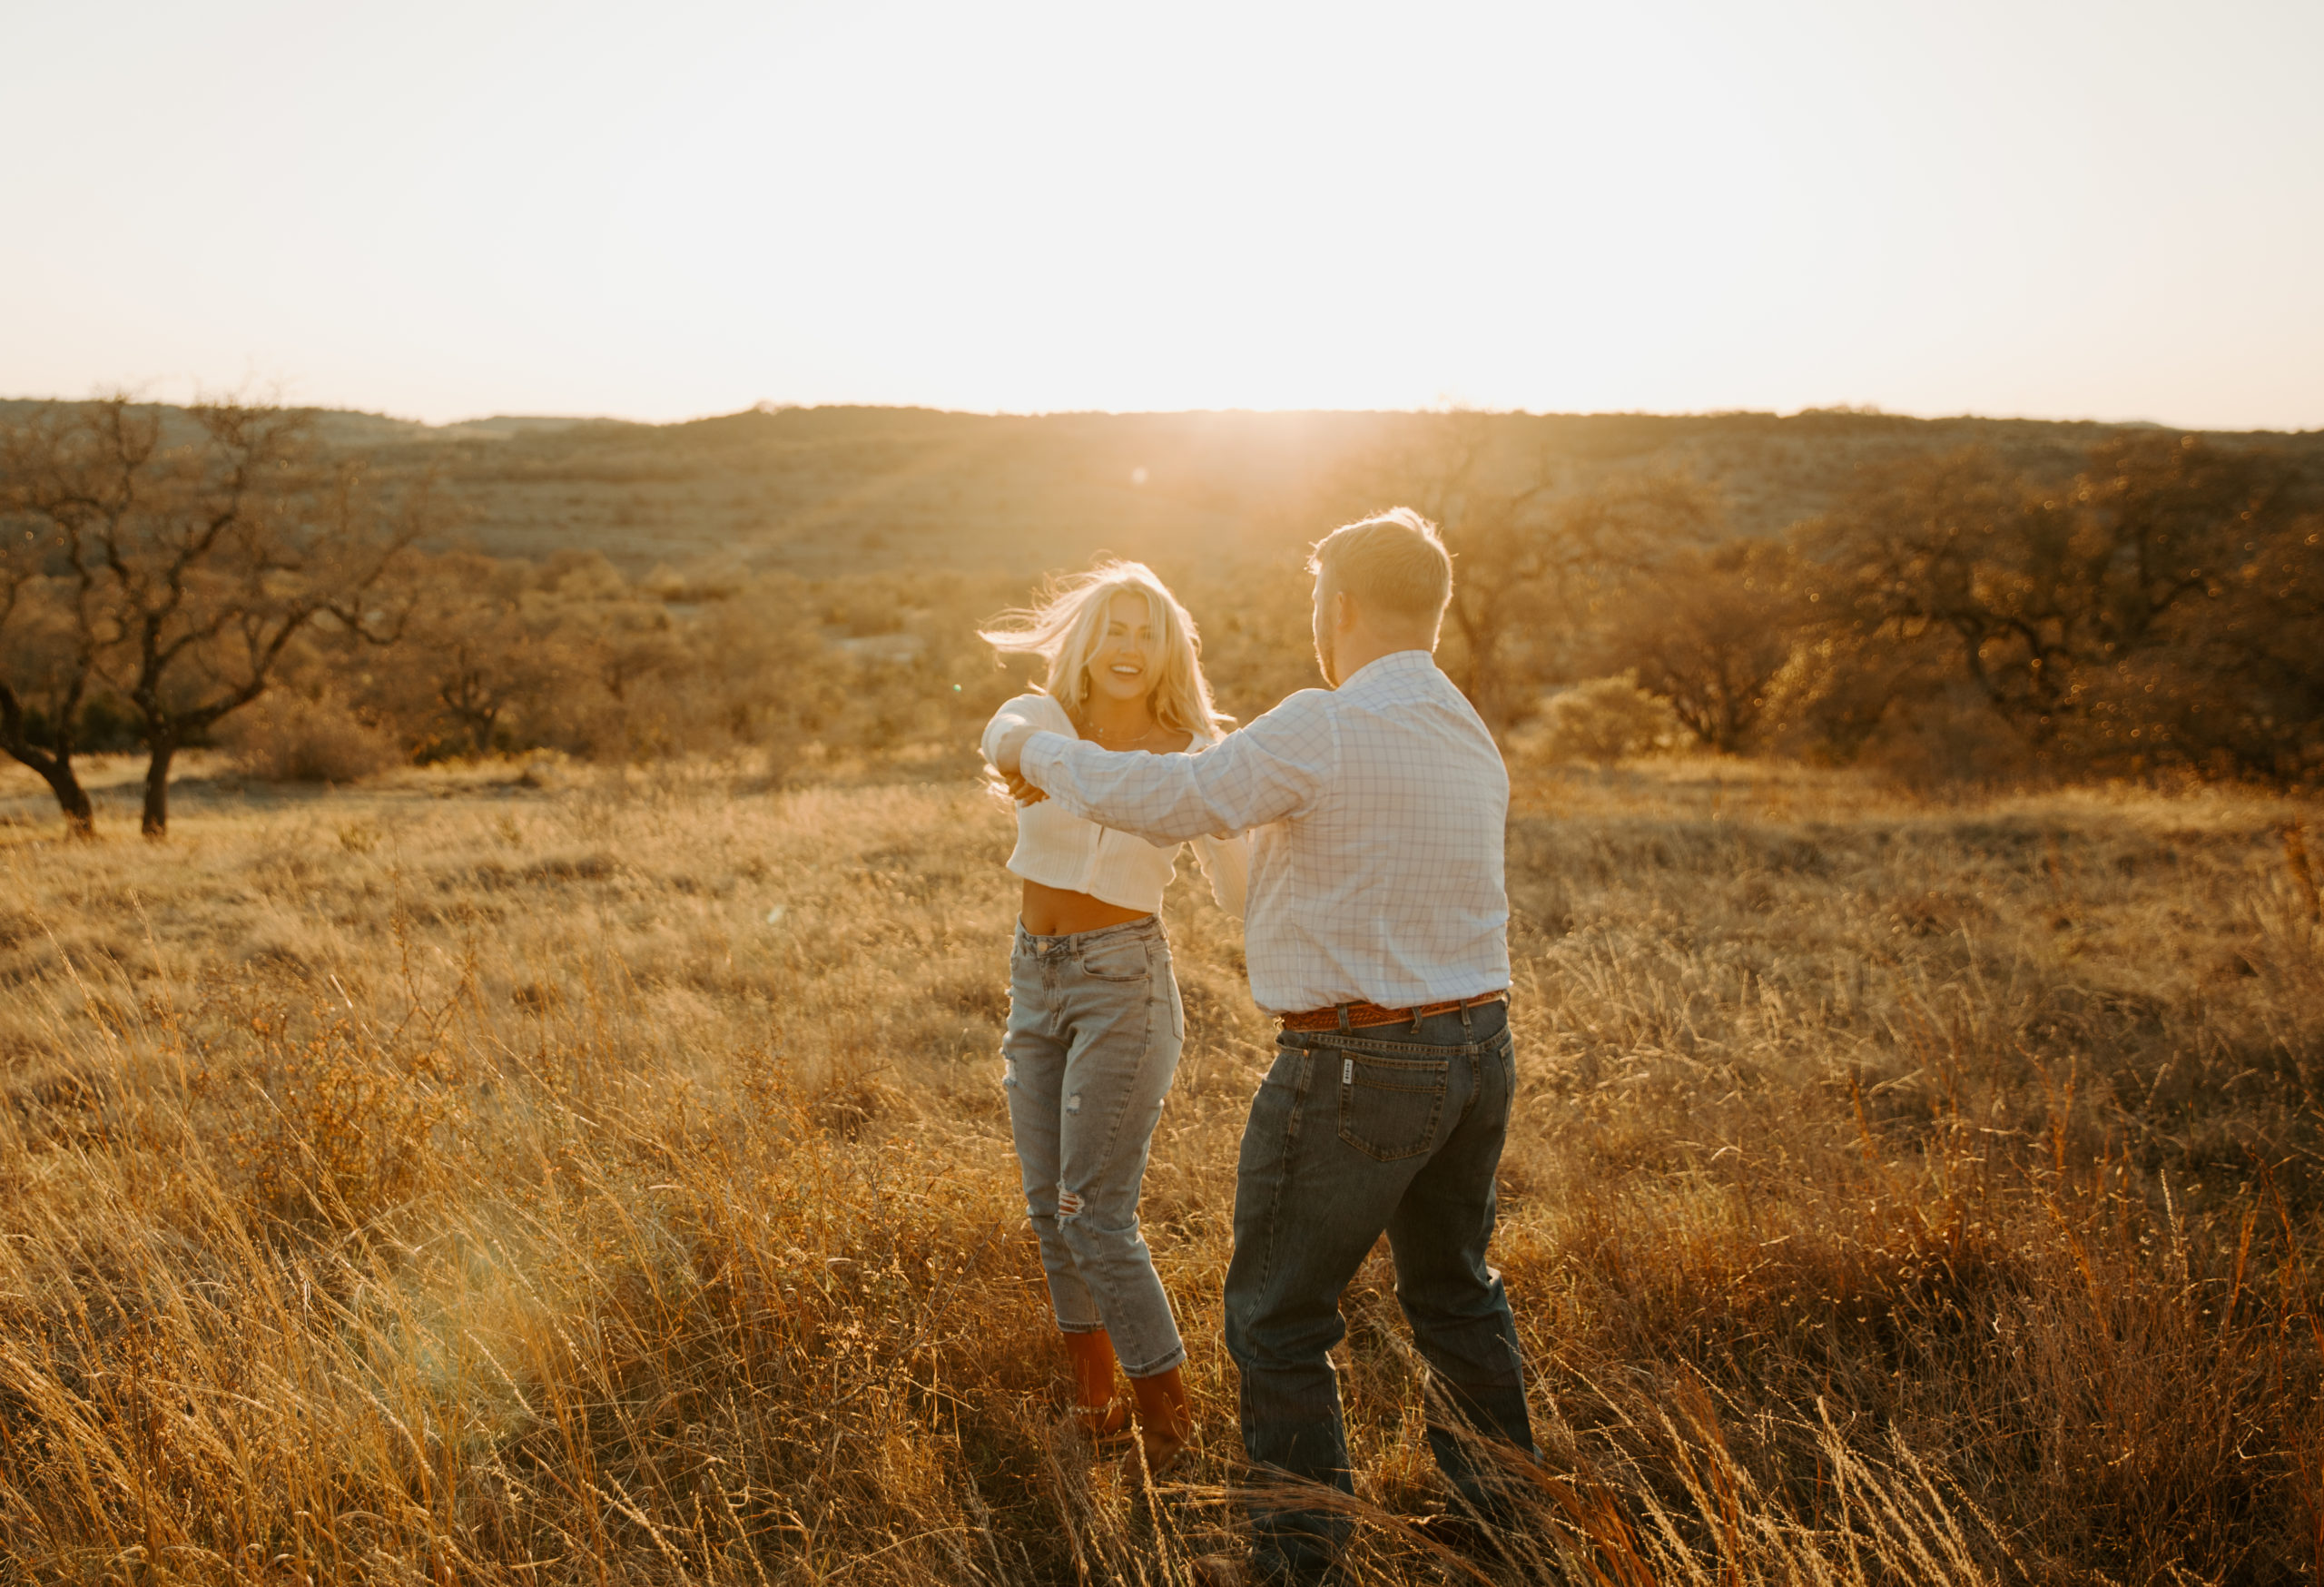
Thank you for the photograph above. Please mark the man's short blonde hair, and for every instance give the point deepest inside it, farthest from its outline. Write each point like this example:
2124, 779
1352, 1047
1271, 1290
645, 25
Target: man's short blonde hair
1393, 562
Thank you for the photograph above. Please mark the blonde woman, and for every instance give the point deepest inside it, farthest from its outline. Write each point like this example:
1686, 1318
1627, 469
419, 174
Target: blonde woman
1095, 1023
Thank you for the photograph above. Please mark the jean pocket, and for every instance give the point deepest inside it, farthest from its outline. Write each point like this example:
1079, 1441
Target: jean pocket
1390, 1107
1121, 960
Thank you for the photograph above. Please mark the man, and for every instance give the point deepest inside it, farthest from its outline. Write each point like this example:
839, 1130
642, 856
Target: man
1377, 934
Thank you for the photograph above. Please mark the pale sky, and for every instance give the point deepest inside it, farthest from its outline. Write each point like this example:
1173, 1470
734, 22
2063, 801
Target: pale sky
442, 210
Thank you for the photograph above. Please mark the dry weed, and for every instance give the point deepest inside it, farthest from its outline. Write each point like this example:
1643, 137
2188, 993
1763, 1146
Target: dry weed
605, 1177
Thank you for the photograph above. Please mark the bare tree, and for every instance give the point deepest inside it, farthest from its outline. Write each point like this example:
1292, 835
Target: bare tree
492, 652
45, 660
187, 559
2040, 590
1708, 629
1532, 550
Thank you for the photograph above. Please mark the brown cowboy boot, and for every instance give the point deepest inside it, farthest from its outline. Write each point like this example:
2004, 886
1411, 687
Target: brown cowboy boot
1094, 1410
1165, 1418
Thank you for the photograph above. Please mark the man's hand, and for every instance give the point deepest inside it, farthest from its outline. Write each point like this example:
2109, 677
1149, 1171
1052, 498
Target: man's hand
1021, 790
1009, 750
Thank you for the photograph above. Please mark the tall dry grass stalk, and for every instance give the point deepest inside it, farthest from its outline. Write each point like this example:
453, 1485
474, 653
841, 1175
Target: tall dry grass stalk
606, 1180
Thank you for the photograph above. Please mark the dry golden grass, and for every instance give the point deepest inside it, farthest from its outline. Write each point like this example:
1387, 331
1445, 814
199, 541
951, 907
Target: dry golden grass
591, 1176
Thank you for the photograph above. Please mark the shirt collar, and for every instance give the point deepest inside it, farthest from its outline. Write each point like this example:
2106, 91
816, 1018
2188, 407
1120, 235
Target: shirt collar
1395, 664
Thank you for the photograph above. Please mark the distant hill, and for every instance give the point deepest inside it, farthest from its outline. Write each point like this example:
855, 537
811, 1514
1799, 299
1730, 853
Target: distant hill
344, 427
825, 490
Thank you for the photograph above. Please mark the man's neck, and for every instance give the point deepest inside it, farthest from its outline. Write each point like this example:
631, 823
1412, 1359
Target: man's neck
1354, 652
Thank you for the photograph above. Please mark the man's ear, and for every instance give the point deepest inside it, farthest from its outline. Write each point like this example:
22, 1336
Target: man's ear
1343, 613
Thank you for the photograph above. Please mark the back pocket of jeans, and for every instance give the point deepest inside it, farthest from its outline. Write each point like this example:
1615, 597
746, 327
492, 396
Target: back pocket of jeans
1390, 1107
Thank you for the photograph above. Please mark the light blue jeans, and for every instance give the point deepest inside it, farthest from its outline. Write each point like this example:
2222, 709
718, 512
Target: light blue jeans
1095, 1026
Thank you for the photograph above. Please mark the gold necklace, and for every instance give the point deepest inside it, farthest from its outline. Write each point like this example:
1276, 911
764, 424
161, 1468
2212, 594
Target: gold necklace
1099, 733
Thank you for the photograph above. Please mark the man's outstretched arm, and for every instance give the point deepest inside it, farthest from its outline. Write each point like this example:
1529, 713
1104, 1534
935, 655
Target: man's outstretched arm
1272, 769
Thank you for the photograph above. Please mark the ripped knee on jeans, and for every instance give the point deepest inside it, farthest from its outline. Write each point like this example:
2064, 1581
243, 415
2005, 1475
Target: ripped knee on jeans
1069, 1202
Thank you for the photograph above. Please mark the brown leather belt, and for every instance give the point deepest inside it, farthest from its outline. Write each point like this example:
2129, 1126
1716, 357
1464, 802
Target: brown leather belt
1362, 1014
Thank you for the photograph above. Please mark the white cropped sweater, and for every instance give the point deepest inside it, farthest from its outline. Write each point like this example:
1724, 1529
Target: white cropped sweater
1060, 850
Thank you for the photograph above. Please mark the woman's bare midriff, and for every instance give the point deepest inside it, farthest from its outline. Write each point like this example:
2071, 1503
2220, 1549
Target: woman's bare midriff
1052, 912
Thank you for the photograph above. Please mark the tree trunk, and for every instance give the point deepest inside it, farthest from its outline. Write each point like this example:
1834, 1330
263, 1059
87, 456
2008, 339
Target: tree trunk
1483, 683
54, 766
156, 822
1476, 645
73, 799
80, 816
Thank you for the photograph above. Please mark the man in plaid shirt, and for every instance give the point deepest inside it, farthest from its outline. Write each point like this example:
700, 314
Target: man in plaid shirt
1377, 934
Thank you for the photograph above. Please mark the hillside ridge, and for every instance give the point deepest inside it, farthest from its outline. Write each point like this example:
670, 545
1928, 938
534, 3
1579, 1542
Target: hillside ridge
845, 489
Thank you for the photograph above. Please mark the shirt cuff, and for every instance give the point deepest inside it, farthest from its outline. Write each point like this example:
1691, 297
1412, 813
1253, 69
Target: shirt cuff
1045, 751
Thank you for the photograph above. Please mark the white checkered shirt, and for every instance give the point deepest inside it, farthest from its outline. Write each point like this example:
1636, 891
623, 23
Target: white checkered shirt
1376, 813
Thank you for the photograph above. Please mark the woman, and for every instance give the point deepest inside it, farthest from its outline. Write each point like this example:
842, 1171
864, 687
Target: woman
1095, 1024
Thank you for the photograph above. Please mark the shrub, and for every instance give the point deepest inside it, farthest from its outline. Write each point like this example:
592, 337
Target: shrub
284, 738
1609, 719
1952, 738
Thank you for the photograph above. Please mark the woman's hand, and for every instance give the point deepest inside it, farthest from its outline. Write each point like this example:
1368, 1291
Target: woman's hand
1010, 745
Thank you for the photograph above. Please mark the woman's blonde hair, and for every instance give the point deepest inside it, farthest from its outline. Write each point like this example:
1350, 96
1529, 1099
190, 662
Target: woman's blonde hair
1067, 626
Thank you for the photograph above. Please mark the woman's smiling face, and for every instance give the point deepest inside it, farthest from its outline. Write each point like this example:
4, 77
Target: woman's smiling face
1130, 655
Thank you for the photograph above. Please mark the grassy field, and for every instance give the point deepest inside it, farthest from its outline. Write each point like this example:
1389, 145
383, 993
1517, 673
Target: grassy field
546, 1174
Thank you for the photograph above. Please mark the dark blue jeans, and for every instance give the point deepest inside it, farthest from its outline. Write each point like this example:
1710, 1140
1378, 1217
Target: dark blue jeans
1394, 1128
